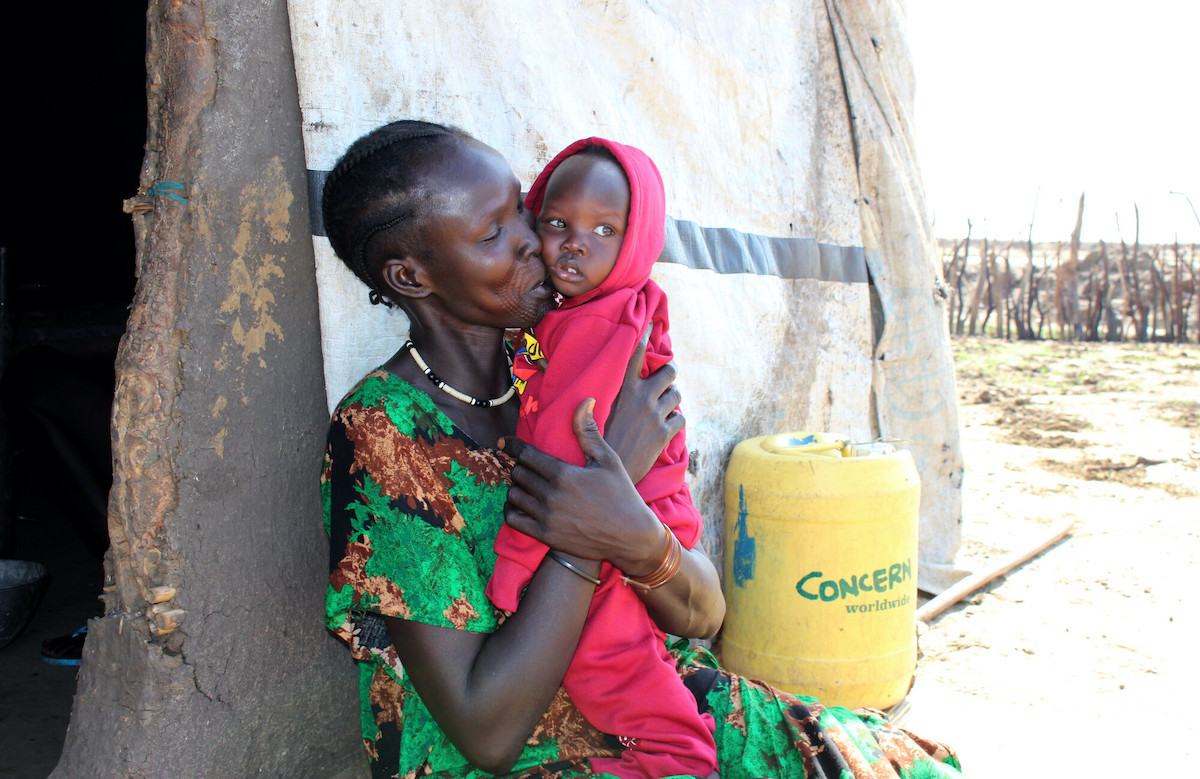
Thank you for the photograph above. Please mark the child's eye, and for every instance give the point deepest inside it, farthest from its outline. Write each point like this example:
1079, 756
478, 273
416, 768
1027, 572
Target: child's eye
556, 223
494, 235
604, 230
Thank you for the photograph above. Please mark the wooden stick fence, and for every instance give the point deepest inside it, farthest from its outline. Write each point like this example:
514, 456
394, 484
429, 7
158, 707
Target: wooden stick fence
1144, 293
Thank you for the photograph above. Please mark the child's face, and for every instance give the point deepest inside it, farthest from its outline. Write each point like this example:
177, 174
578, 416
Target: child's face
582, 223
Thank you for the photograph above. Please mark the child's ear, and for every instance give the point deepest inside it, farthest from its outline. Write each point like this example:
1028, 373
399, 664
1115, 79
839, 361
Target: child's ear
405, 277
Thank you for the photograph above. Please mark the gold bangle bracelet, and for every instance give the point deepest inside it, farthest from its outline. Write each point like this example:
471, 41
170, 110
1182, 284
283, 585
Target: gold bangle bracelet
665, 571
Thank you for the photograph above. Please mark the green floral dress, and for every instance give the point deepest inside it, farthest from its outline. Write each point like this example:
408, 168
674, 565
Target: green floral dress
412, 505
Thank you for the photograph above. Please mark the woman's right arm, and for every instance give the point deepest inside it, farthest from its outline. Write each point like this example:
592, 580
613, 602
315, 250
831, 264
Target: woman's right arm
487, 691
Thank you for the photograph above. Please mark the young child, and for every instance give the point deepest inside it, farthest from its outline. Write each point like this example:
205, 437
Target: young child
601, 210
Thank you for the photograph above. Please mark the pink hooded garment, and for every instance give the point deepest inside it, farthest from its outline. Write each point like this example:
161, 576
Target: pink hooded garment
622, 678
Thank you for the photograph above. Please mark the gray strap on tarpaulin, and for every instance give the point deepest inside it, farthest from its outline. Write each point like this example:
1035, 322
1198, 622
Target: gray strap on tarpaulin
719, 249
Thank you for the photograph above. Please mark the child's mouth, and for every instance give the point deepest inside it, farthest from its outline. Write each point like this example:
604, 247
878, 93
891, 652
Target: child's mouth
566, 272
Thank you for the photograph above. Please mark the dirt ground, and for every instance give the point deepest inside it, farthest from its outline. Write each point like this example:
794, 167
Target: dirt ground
1077, 663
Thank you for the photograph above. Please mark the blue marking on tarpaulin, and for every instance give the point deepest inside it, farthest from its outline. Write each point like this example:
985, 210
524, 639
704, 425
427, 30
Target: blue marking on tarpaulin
743, 545
805, 441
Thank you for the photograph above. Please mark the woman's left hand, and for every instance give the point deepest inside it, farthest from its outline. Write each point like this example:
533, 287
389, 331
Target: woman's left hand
594, 511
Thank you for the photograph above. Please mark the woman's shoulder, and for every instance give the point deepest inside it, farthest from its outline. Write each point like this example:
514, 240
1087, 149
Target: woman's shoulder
390, 417
374, 386
408, 407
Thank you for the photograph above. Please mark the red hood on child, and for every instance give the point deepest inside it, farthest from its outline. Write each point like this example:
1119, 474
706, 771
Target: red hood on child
645, 232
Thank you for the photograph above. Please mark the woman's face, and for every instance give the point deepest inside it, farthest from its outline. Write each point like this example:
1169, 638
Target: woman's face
484, 261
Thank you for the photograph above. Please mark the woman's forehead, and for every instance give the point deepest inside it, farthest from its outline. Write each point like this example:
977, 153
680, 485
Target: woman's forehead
478, 162
476, 176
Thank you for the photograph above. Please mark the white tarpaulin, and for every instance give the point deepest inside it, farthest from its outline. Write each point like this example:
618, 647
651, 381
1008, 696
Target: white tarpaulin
744, 107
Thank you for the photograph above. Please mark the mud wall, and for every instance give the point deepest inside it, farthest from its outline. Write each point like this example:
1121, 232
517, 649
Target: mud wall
211, 659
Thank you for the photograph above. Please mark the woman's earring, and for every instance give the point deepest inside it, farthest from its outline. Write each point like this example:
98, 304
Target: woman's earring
377, 299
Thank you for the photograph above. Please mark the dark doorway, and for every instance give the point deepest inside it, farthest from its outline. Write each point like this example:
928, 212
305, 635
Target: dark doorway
74, 96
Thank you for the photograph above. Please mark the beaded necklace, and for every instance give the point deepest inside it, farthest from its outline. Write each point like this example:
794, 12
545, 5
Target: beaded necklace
451, 391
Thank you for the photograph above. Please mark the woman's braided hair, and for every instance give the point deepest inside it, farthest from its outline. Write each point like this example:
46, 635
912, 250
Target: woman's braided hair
379, 186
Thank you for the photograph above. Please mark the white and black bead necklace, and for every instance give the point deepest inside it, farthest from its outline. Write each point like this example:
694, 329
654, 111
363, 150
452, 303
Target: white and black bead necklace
451, 391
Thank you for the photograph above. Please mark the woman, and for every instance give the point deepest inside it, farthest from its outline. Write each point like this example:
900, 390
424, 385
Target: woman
431, 220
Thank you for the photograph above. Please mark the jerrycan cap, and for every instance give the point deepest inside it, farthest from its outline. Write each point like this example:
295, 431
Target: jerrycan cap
824, 445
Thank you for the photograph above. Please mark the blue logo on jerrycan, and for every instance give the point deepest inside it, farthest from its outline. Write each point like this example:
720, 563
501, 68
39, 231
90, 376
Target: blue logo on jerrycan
743, 545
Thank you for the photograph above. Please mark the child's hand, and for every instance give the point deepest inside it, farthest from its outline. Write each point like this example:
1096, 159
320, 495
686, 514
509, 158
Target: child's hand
591, 511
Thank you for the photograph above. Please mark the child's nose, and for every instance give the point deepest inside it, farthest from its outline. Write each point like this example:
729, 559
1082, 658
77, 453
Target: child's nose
573, 243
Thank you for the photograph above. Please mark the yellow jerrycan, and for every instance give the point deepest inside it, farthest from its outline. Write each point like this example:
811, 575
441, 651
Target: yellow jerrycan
821, 567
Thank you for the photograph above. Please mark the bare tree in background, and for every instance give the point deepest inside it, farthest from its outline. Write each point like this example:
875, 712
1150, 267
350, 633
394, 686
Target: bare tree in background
1135, 309
1066, 296
1156, 289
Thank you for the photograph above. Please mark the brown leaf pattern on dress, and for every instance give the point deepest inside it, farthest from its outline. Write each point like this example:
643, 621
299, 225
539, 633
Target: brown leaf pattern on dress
855, 759
558, 770
460, 612
736, 716
369, 747
388, 697
388, 657
574, 735
805, 732
490, 467
905, 748
352, 571
403, 467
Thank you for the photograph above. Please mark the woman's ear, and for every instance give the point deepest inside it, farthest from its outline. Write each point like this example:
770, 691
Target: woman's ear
405, 277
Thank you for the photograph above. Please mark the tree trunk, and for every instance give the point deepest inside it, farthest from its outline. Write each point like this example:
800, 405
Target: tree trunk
1140, 305
980, 283
1178, 315
1008, 295
1160, 302
211, 659
1112, 323
1135, 308
958, 323
1029, 289
988, 266
1066, 283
